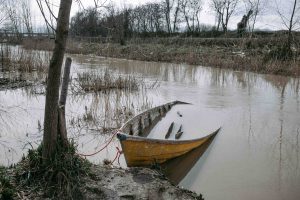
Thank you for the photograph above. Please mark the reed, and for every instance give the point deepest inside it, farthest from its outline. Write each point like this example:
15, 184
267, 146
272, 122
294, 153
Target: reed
15, 59
109, 110
95, 82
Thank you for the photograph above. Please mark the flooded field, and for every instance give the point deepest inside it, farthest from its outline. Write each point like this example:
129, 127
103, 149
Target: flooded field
255, 155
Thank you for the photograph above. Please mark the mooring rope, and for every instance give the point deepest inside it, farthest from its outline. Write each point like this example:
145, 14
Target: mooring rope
110, 140
119, 152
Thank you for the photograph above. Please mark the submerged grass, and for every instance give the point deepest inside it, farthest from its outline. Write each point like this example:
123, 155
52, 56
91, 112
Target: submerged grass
106, 81
18, 59
109, 110
21, 68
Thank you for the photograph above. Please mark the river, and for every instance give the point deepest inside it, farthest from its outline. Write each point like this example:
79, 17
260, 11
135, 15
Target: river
255, 155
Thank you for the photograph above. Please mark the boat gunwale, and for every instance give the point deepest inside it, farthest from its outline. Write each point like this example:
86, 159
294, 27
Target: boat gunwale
128, 122
163, 141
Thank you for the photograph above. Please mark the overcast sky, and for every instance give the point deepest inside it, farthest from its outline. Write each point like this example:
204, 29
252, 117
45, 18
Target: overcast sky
268, 20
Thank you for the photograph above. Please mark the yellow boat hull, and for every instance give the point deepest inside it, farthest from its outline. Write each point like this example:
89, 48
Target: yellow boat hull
139, 151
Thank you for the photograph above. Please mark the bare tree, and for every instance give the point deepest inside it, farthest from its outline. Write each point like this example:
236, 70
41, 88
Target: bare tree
47, 10
196, 9
185, 11
168, 5
176, 14
257, 7
52, 137
17, 15
224, 10
290, 19
11, 8
217, 6
192, 9
157, 16
26, 15
147, 18
3, 12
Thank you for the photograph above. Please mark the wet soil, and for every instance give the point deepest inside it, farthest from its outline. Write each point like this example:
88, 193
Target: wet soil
107, 183
132, 183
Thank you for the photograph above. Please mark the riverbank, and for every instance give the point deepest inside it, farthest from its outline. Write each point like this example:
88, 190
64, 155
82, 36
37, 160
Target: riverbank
101, 182
241, 54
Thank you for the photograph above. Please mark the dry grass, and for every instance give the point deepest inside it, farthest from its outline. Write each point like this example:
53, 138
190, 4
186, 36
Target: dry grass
96, 82
38, 44
60, 178
109, 110
214, 52
18, 59
120, 96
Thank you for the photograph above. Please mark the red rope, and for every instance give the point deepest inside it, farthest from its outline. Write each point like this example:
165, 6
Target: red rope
118, 155
120, 152
101, 148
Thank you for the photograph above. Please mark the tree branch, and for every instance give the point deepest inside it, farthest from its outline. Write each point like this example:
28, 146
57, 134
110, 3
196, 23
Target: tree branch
44, 16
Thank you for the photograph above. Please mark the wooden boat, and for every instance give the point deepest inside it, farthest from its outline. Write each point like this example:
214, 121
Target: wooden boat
142, 151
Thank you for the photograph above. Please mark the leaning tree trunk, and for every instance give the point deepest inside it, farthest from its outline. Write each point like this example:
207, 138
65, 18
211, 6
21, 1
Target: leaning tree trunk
51, 133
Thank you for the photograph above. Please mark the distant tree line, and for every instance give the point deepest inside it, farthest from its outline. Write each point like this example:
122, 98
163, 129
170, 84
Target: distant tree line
164, 18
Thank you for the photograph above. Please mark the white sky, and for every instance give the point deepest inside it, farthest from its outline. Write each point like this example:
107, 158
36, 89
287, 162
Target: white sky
269, 19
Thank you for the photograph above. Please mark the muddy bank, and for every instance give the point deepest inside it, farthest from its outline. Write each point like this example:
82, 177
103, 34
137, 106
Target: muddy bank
105, 182
240, 54
132, 183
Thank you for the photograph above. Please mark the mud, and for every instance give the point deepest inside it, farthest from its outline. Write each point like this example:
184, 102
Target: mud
105, 182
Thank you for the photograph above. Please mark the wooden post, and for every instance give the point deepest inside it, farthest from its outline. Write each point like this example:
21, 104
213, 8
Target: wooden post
62, 128
65, 82
2, 59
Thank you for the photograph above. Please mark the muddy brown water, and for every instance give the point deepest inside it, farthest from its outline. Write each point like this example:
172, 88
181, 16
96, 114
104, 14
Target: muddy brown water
255, 155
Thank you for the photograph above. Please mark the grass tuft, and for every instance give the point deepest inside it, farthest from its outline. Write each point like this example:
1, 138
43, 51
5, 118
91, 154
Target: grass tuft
94, 82
21, 60
7, 190
61, 177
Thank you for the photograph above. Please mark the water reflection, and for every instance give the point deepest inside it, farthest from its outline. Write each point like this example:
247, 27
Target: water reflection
176, 169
